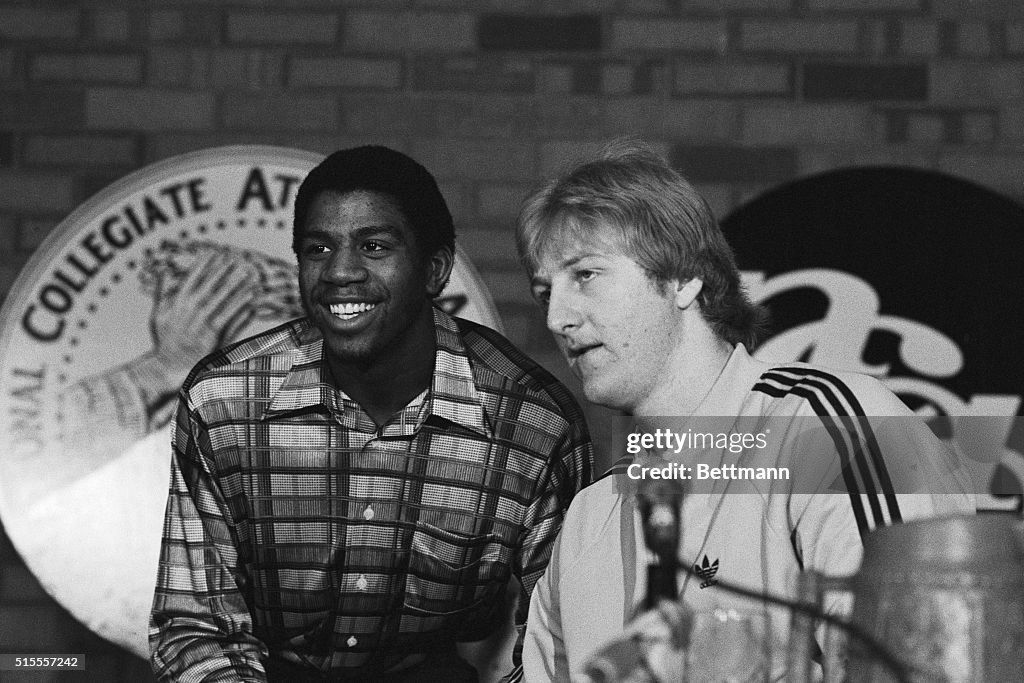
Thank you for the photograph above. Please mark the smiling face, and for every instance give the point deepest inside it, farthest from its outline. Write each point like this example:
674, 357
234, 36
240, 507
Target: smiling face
618, 329
364, 282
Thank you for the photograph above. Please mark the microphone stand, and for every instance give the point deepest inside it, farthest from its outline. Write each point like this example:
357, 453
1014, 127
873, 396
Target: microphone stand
660, 502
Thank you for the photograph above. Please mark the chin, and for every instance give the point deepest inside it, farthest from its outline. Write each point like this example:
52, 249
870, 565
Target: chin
353, 353
602, 396
610, 395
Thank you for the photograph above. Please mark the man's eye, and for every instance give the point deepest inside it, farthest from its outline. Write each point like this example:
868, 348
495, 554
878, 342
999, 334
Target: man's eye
314, 249
585, 275
375, 247
542, 296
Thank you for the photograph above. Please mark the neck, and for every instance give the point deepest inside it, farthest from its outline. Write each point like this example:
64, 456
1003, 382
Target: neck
691, 371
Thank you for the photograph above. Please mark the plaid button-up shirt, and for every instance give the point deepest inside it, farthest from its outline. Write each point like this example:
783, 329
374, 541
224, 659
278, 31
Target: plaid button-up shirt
295, 527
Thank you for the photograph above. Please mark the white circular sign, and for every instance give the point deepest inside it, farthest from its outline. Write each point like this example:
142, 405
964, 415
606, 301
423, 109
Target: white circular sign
91, 357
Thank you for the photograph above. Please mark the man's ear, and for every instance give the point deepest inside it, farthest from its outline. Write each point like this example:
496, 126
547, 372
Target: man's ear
439, 269
686, 292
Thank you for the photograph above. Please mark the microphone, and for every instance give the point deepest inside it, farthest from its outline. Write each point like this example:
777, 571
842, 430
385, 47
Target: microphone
660, 503
660, 507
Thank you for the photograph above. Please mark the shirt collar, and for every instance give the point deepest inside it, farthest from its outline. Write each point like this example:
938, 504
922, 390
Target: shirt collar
730, 390
453, 393
453, 396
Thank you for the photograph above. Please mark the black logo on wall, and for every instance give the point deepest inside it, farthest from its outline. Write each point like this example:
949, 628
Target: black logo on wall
912, 276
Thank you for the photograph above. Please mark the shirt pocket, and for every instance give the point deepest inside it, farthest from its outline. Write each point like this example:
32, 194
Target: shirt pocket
451, 572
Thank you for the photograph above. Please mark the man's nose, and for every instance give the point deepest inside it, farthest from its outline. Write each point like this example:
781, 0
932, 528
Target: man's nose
563, 314
345, 266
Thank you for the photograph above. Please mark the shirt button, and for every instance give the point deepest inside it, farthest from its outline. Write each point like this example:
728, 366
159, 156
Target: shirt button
368, 513
361, 583
352, 641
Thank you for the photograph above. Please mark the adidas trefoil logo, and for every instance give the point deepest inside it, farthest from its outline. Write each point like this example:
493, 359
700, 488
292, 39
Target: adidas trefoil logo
706, 570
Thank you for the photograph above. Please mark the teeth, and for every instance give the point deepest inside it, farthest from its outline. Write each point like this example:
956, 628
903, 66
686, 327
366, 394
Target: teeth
347, 311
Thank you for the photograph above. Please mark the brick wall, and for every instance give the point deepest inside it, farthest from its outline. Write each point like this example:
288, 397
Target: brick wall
741, 94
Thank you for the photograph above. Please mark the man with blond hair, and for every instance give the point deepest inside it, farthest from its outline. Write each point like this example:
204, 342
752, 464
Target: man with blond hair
643, 295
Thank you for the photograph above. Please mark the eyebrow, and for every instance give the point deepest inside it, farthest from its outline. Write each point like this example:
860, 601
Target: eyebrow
361, 232
567, 263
